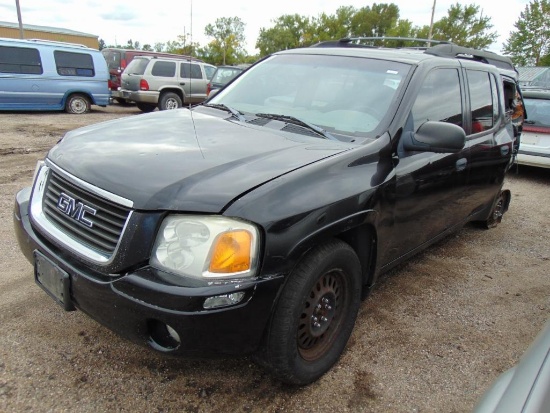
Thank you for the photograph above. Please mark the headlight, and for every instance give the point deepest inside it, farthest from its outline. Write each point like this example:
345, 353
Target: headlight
206, 247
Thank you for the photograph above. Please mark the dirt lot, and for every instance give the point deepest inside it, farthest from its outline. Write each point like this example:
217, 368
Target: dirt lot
432, 336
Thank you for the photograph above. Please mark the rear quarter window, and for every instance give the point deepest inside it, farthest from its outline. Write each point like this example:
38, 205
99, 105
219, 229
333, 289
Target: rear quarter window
74, 64
20, 60
164, 69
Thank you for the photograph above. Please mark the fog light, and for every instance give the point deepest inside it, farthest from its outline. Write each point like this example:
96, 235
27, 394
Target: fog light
223, 300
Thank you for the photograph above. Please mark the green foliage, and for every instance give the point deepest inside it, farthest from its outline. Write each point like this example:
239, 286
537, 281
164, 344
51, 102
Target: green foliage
228, 44
290, 31
529, 44
465, 26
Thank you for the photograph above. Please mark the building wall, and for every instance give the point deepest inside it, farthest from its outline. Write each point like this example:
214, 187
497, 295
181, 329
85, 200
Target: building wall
43, 35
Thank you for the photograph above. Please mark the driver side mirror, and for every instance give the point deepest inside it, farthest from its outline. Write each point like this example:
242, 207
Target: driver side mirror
441, 137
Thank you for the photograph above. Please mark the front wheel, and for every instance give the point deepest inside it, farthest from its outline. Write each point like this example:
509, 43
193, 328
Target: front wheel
77, 104
315, 314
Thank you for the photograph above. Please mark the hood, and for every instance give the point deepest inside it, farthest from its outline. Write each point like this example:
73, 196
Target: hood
184, 160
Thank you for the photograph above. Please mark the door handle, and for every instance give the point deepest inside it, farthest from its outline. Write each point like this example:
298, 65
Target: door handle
182, 83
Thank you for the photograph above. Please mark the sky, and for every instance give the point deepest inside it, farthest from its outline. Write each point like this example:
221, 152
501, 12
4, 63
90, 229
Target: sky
149, 22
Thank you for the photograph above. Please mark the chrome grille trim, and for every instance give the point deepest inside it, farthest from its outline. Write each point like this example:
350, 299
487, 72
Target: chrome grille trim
100, 245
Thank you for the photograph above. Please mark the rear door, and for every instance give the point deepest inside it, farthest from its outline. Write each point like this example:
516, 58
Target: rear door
193, 80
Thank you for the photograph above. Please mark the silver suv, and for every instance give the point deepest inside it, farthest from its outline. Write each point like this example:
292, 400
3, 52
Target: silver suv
164, 82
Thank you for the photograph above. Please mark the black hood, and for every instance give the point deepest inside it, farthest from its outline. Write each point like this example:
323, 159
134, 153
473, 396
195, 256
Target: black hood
183, 160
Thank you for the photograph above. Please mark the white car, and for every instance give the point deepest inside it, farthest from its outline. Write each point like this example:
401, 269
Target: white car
534, 148
524, 388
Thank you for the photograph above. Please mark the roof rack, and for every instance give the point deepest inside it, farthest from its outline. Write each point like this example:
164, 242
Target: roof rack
370, 42
484, 56
59, 43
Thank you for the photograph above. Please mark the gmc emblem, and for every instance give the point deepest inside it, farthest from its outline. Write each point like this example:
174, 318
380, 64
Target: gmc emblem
76, 210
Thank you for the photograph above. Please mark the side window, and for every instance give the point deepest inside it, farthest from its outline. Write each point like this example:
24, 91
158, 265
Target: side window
74, 64
439, 99
164, 69
481, 100
191, 70
20, 60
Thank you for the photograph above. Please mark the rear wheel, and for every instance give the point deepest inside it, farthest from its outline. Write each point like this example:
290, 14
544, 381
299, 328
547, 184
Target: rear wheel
146, 107
501, 206
77, 104
315, 314
169, 101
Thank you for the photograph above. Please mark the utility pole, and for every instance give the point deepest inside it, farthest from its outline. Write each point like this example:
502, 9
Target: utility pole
431, 25
21, 36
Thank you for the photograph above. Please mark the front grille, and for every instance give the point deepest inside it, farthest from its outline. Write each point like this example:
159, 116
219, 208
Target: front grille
107, 223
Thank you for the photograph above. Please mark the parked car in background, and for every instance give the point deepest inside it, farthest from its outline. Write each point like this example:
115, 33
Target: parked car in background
524, 388
47, 75
222, 76
255, 222
165, 83
118, 59
534, 148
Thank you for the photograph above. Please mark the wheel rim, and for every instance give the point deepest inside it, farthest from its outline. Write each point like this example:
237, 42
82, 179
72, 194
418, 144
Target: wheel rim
78, 106
322, 316
171, 103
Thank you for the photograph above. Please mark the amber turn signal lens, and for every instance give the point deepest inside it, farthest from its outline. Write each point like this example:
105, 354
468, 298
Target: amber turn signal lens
231, 252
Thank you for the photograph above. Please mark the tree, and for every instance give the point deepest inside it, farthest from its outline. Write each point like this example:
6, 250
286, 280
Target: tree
530, 44
290, 31
375, 21
465, 26
101, 44
228, 34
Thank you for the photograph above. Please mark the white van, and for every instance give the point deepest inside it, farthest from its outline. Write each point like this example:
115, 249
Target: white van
47, 75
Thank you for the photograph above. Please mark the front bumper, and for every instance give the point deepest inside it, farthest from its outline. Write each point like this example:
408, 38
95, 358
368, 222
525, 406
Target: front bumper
143, 304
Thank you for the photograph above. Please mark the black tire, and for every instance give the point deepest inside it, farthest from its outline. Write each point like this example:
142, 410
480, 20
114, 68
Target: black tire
315, 314
499, 208
169, 100
77, 104
146, 107
121, 101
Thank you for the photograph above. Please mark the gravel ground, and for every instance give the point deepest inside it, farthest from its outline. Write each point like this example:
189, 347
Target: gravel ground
432, 336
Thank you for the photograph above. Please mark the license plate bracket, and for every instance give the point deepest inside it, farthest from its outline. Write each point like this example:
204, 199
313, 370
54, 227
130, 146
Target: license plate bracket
53, 280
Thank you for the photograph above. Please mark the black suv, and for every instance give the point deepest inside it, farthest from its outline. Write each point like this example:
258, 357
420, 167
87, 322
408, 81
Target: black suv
256, 222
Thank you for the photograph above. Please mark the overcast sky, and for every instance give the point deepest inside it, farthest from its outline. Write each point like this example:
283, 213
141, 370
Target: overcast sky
163, 20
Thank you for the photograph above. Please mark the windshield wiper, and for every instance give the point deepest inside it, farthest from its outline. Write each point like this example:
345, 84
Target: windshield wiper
229, 109
299, 122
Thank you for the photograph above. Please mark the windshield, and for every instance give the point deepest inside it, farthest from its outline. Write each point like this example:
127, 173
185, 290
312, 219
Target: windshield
343, 95
224, 74
538, 111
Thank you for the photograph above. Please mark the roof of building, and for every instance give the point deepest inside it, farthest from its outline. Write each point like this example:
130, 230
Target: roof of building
530, 73
46, 29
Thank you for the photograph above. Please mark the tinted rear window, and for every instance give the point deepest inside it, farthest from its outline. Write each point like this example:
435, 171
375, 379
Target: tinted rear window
137, 66
112, 58
20, 60
74, 64
164, 69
